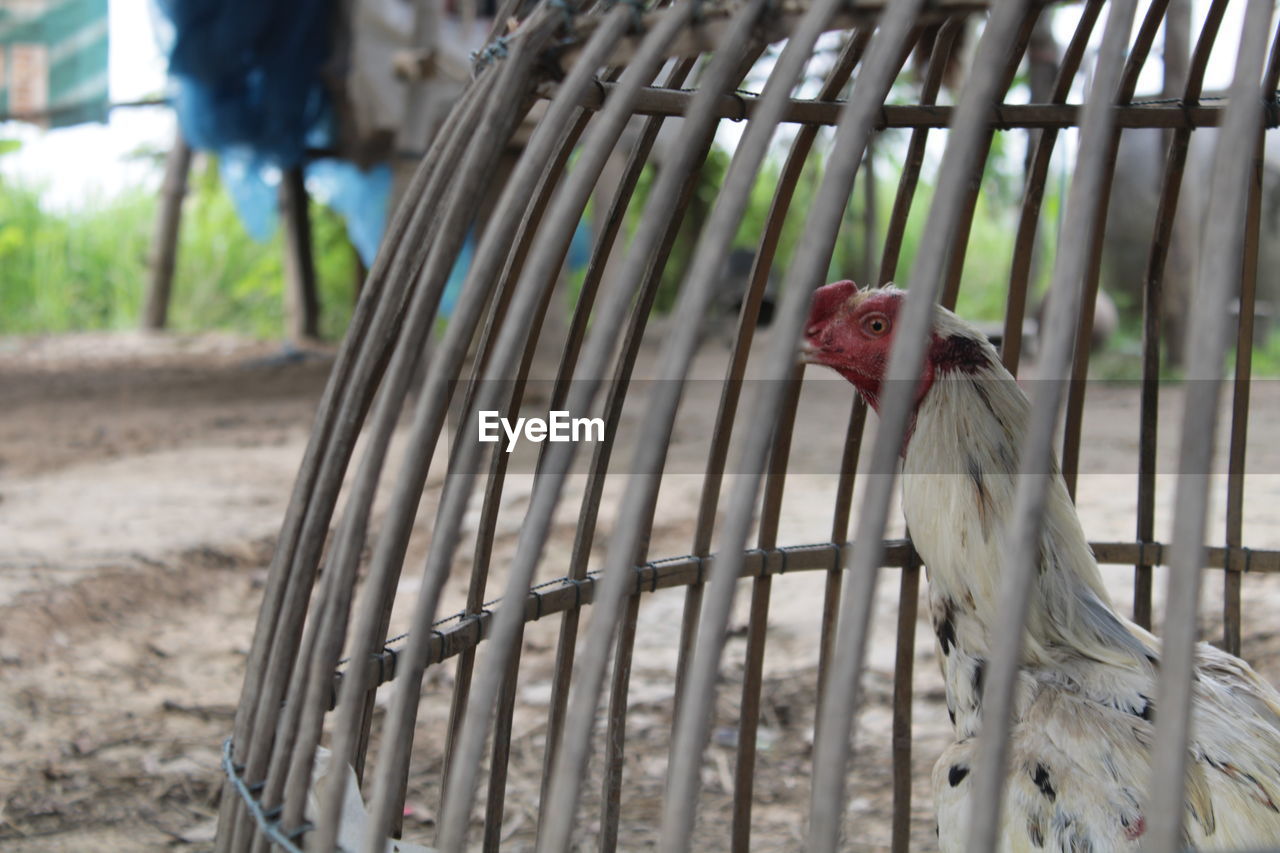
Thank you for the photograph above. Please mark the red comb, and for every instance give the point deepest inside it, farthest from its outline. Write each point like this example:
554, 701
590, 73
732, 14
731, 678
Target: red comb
828, 299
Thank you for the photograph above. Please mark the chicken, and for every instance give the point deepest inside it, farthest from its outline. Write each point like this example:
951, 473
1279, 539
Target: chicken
1083, 717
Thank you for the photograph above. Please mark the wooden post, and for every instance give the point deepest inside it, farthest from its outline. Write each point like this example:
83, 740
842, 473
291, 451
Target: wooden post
164, 242
302, 303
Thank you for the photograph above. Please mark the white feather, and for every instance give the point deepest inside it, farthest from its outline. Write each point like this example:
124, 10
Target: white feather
1083, 720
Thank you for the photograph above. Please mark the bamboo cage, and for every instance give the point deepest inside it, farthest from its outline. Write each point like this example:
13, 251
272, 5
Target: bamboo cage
624, 79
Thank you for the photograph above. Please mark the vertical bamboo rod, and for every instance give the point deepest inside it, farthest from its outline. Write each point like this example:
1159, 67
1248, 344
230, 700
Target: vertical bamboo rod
758, 623
616, 735
668, 200
870, 216
495, 801
616, 730
909, 181
909, 583
536, 279
1022, 534
711, 248
1232, 579
655, 264
506, 707
1073, 421
731, 390
903, 672
1217, 274
384, 575
839, 536
1152, 309
909, 588
840, 693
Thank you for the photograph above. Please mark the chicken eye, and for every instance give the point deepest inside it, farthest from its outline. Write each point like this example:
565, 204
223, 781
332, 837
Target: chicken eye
875, 324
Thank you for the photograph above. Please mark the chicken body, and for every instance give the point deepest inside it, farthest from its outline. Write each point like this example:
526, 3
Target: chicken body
1083, 718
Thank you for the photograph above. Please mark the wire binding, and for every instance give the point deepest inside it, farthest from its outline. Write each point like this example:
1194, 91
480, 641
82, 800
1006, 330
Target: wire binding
490, 53
577, 590
269, 827
837, 551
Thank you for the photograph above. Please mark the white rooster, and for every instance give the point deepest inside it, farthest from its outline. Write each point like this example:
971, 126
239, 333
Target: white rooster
1079, 760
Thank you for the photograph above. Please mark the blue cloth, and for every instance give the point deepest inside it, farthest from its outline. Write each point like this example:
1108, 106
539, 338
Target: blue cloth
359, 196
249, 86
248, 73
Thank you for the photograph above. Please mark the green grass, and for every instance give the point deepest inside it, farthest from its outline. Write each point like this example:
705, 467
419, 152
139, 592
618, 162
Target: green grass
63, 272
87, 269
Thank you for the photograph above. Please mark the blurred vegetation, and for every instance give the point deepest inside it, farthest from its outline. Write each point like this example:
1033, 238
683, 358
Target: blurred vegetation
986, 269
86, 269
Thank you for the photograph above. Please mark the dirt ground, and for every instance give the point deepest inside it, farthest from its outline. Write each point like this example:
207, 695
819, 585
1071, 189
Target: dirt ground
142, 480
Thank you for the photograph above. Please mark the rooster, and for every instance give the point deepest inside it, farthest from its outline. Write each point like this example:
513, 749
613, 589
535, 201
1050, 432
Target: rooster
1083, 717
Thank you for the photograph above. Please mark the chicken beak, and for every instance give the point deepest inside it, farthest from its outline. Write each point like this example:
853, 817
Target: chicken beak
808, 353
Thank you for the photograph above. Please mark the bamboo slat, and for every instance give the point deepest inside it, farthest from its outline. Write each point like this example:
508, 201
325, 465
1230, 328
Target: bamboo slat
1022, 533
741, 106
1217, 275
1152, 308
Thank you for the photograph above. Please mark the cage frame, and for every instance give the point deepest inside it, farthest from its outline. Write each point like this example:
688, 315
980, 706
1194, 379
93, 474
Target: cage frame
556, 55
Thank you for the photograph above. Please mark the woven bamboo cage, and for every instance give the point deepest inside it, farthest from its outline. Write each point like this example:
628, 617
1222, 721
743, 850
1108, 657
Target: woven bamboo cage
613, 80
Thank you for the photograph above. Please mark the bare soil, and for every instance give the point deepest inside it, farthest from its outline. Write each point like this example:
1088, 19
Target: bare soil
142, 481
